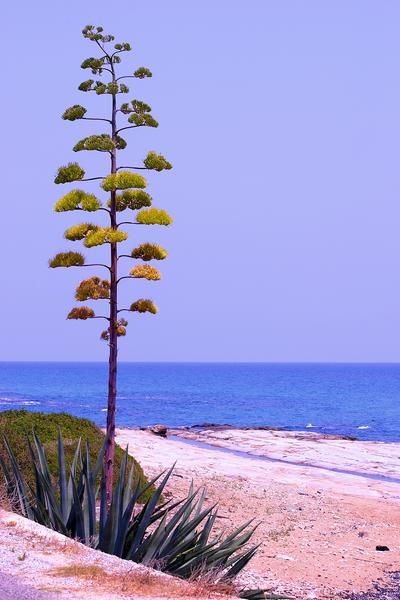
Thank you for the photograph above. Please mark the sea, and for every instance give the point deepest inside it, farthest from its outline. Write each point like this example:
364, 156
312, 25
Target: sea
360, 400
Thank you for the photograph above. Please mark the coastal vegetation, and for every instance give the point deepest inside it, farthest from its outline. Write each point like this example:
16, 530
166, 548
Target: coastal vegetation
17, 426
175, 536
125, 190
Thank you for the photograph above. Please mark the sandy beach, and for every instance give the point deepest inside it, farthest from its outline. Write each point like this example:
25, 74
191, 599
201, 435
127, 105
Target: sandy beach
324, 503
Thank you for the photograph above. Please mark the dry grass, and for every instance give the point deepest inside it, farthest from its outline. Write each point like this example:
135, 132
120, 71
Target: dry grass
144, 583
5, 501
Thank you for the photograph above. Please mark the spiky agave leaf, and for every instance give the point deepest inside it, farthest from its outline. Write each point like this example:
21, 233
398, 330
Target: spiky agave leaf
18, 488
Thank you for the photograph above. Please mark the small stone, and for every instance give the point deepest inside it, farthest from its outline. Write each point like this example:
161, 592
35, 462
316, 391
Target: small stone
382, 548
160, 430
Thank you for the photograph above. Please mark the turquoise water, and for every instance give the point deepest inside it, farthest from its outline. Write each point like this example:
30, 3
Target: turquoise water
352, 399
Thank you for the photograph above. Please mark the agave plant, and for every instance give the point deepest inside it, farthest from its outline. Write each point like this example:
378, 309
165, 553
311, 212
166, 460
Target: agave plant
176, 537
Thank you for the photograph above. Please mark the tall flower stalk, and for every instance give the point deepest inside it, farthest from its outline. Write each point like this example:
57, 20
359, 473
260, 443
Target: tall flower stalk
125, 189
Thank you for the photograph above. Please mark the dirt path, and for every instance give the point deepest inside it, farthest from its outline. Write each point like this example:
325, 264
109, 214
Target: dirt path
12, 589
39, 564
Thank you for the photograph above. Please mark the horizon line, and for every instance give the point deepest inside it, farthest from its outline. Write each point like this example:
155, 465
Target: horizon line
205, 362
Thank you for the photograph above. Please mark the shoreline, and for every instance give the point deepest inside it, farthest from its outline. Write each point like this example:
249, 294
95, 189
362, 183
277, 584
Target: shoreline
250, 455
314, 430
318, 528
303, 448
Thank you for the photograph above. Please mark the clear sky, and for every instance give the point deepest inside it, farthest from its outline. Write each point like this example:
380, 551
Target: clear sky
282, 120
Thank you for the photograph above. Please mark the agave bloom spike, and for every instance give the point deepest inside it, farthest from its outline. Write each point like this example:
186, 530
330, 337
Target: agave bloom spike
125, 191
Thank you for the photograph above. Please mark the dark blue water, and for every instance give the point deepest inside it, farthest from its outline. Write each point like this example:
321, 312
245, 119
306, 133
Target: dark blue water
352, 399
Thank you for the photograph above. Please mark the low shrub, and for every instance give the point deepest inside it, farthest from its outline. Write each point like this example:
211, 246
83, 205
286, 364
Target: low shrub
17, 426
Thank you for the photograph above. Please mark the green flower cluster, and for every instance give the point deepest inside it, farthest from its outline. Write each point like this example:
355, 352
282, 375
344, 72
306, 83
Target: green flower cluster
125, 47
80, 231
74, 112
103, 88
77, 200
149, 252
96, 34
104, 235
157, 162
143, 120
68, 173
123, 181
153, 216
133, 199
139, 113
101, 143
142, 72
67, 259
94, 64
137, 106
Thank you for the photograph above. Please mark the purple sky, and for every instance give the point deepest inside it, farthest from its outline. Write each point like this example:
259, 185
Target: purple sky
282, 120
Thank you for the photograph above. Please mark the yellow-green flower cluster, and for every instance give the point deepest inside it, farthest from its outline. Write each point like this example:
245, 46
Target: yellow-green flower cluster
145, 272
77, 200
74, 112
101, 143
80, 231
123, 181
96, 34
100, 88
153, 216
67, 259
156, 162
148, 251
142, 119
104, 235
93, 288
68, 173
139, 113
144, 305
133, 199
94, 64
142, 72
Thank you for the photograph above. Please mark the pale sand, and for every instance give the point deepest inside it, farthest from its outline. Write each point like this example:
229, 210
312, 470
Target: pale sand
319, 528
47, 561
